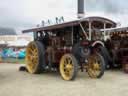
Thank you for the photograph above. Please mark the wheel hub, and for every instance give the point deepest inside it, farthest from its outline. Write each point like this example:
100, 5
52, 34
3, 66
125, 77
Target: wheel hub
96, 66
69, 66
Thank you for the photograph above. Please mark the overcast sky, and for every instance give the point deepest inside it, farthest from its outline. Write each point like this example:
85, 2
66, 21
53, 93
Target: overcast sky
22, 14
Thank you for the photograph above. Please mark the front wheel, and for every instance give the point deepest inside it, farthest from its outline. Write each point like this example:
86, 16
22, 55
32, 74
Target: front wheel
68, 67
95, 65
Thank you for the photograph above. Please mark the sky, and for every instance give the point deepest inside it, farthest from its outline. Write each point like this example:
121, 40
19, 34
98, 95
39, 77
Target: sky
24, 14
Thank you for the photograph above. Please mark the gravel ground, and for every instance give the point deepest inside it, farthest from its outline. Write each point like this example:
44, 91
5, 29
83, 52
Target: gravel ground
16, 83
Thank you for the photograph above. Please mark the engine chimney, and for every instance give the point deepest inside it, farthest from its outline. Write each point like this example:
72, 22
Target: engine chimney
80, 9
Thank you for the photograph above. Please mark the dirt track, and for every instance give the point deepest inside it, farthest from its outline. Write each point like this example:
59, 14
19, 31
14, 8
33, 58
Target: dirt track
16, 83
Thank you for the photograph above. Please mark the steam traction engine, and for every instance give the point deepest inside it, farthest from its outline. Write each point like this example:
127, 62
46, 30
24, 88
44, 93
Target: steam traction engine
117, 47
69, 47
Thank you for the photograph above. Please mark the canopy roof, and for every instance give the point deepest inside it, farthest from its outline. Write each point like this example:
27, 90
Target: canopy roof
72, 23
121, 29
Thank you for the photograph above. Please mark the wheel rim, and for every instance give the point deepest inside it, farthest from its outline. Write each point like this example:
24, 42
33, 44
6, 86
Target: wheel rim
66, 67
94, 66
31, 57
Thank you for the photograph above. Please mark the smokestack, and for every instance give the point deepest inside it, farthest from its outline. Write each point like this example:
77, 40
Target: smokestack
80, 9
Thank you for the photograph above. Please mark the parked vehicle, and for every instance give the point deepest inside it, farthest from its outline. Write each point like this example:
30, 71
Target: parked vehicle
116, 51
69, 47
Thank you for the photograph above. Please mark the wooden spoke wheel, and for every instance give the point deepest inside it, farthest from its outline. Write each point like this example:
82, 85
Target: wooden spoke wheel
34, 57
95, 66
68, 67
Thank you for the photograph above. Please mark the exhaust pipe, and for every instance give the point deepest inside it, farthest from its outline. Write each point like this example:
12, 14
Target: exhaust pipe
80, 13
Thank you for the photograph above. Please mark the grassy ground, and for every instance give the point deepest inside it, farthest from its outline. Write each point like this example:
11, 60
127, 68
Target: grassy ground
13, 60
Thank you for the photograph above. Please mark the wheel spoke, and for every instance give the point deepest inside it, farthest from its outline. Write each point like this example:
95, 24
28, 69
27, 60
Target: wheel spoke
91, 73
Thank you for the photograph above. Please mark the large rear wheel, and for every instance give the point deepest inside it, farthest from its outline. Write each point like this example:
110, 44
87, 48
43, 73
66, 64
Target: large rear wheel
34, 57
95, 65
68, 67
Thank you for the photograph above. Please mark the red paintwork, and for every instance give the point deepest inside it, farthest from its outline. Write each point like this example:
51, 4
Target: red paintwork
59, 52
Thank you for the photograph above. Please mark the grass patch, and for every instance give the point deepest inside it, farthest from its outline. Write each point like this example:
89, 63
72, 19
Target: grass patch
13, 60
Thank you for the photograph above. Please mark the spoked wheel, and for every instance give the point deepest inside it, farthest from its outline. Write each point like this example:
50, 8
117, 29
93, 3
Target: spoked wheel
95, 66
68, 67
34, 57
